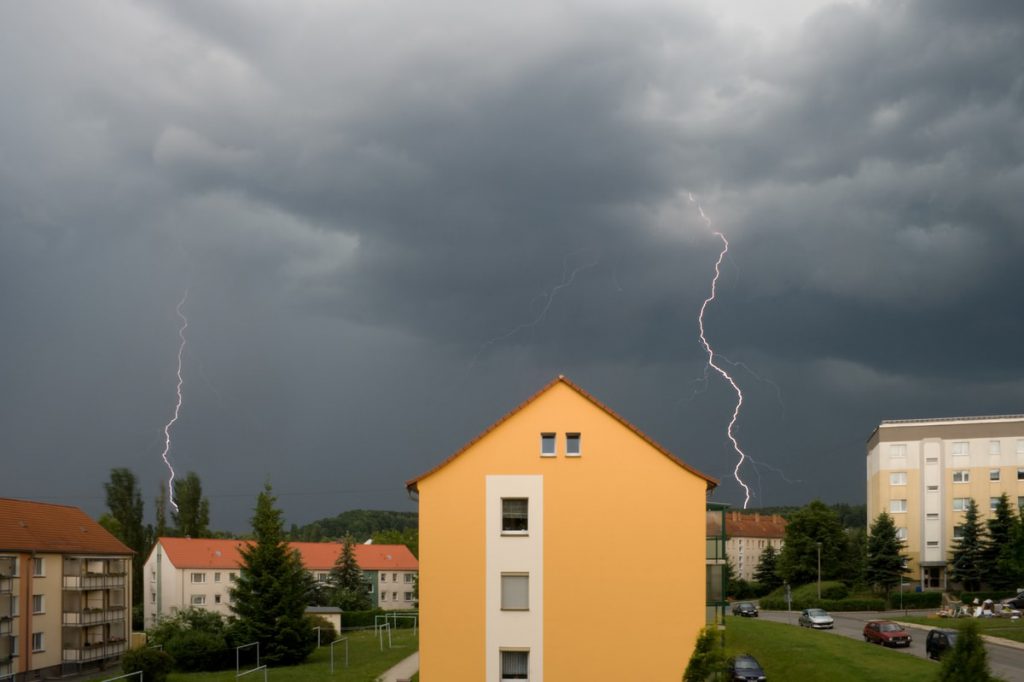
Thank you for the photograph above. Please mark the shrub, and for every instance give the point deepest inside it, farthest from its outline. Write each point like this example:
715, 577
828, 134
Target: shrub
707, 658
194, 651
967, 662
359, 619
154, 664
835, 591
327, 632
916, 600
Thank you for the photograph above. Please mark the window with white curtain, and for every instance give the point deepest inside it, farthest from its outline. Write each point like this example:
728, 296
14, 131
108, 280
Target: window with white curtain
515, 665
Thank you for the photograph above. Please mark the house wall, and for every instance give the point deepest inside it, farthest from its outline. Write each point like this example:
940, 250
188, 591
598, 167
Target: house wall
620, 502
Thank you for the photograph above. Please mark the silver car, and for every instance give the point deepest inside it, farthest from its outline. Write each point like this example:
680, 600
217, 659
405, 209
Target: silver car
816, 618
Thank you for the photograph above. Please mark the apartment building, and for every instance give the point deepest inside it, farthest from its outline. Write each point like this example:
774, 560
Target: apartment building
924, 471
199, 572
749, 534
65, 592
528, 538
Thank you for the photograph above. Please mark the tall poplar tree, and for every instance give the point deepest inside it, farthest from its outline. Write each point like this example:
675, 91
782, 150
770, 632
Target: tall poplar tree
192, 517
125, 504
269, 597
966, 562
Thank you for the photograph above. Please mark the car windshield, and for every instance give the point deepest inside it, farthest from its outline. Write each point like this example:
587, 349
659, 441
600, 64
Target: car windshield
815, 612
746, 664
745, 605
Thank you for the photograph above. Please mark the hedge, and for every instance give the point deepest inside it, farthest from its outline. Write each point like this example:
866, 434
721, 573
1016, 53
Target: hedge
776, 604
916, 600
351, 620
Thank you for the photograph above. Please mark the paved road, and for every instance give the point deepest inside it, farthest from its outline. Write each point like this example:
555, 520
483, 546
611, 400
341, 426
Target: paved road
1007, 662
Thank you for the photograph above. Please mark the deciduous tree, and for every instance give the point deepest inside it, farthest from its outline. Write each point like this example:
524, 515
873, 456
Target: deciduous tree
814, 524
192, 517
125, 522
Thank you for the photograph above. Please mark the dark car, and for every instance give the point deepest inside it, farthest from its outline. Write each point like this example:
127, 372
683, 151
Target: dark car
1015, 602
744, 608
939, 642
886, 633
745, 668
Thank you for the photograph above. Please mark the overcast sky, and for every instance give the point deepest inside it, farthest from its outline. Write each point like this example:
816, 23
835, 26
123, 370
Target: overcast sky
397, 220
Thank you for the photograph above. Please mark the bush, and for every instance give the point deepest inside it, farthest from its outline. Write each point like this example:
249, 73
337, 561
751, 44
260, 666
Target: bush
195, 639
835, 591
327, 632
359, 619
851, 604
969, 597
967, 661
707, 658
154, 664
916, 600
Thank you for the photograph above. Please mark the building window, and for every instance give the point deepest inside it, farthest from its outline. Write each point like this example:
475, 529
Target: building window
993, 502
1020, 446
394, 577
1020, 502
958, 532
383, 596
959, 504
408, 596
515, 591
198, 599
932, 515
216, 599
14, 605
898, 450
515, 515
961, 448
901, 533
547, 445
369, 588
38, 567
408, 577
198, 577
152, 597
932, 460
993, 474
394, 596
383, 577
38, 606
994, 447
933, 543
1020, 474
232, 576
216, 577
961, 476
897, 506
515, 665
898, 478
14, 646
933, 488
37, 642
322, 577
572, 445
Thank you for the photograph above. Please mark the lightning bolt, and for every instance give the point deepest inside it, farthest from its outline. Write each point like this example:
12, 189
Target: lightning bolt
177, 405
730, 431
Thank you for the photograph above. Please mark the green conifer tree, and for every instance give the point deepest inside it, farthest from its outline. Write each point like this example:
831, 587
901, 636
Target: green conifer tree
349, 590
966, 564
886, 564
967, 662
270, 594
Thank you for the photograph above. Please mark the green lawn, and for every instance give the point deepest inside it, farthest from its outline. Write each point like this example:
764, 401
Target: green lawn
366, 662
996, 627
791, 653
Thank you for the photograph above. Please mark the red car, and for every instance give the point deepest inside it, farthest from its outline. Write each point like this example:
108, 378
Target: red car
886, 633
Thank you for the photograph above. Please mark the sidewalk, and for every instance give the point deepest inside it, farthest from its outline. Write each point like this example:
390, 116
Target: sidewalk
405, 669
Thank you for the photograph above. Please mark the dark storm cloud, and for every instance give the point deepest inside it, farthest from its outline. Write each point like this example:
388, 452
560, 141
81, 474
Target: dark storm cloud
396, 221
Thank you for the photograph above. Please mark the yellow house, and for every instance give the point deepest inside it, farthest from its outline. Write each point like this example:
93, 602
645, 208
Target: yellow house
560, 544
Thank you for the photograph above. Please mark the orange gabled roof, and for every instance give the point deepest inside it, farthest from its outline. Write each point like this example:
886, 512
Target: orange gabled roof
316, 556
711, 482
42, 527
754, 525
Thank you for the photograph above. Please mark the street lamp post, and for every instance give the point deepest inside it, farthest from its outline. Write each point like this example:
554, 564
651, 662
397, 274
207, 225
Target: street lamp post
819, 569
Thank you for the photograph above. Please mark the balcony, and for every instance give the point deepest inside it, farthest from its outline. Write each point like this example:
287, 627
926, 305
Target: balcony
112, 614
94, 581
7, 566
95, 652
6, 648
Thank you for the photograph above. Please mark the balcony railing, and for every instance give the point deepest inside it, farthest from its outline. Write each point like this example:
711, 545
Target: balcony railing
94, 616
93, 581
94, 652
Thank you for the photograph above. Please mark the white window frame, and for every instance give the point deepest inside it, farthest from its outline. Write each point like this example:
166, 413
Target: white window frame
897, 478
216, 576
898, 450
548, 438
38, 603
573, 444
958, 531
38, 567
960, 504
901, 533
198, 600
961, 448
962, 476
515, 591
198, 577
502, 675
993, 474
506, 514
995, 447
38, 642
993, 502
901, 503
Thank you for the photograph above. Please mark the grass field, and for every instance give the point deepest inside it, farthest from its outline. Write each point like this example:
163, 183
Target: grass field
789, 653
366, 662
996, 627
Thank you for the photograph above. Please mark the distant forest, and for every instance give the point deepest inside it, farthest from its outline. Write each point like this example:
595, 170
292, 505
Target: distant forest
850, 515
361, 524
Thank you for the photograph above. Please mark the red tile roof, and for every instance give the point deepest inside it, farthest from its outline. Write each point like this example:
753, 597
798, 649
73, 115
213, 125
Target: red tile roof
316, 556
42, 527
711, 482
754, 525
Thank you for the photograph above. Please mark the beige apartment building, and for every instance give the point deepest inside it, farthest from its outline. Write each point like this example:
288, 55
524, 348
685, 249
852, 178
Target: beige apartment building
65, 592
748, 535
924, 471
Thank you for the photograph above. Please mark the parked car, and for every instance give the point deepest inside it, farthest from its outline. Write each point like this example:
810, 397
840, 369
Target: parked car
744, 608
1015, 602
816, 618
939, 642
886, 633
745, 668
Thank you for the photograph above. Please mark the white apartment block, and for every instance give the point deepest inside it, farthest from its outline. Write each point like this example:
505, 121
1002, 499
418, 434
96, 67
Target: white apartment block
748, 535
924, 471
199, 572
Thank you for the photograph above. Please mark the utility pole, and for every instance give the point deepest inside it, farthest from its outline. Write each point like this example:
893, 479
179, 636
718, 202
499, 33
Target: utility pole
819, 570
